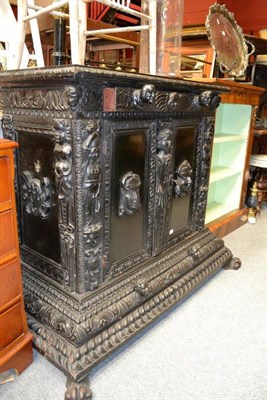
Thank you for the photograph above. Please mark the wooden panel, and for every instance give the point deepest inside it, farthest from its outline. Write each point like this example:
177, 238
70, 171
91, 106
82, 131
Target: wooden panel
7, 234
5, 182
19, 357
10, 282
15, 340
11, 326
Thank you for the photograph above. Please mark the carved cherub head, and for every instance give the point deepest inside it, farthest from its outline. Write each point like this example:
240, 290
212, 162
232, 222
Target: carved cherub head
164, 142
147, 94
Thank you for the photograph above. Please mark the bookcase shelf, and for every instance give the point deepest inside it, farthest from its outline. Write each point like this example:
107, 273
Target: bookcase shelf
232, 129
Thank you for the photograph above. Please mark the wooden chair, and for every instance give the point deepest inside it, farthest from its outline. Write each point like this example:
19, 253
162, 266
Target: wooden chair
28, 11
8, 35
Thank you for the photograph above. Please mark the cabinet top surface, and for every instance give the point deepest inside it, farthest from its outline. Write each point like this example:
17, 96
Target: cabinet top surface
76, 74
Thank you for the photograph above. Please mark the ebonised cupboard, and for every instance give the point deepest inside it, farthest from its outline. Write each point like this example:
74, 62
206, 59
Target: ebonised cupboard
112, 181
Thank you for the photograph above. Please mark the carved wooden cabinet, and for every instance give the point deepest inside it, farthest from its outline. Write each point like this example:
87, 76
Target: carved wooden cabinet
15, 338
112, 178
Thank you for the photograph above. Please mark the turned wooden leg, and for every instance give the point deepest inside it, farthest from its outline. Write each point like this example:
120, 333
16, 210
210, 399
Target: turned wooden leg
78, 390
234, 264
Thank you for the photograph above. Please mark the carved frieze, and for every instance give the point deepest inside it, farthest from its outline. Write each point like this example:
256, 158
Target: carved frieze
83, 99
71, 98
149, 99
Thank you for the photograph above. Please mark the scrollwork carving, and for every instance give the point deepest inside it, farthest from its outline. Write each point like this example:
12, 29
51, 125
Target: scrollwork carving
8, 127
129, 201
183, 179
37, 195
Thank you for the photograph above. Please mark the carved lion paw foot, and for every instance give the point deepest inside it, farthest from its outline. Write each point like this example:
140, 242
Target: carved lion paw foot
234, 264
78, 391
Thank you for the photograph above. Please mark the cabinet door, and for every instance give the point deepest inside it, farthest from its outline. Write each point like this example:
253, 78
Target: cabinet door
175, 166
129, 186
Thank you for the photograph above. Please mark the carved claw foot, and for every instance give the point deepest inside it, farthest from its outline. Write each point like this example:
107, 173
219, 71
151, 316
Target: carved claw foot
235, 264
78, 390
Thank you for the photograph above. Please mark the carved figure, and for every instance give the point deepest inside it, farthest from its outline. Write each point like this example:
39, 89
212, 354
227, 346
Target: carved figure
183, 181
36, 195
163, 173
129, 201
146, 94
163, 186
206, 99
74, 94
91, 171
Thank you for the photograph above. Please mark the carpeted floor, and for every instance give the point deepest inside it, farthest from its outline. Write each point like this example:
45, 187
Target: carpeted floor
210, 347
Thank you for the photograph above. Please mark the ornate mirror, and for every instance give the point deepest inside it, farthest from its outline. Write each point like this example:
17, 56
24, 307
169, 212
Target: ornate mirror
227, 39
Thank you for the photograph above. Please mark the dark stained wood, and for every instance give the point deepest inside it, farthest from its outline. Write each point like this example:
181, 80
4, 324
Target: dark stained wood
15, 339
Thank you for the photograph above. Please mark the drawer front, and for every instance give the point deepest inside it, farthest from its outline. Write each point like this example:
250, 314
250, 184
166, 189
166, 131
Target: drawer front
10, 282
5, 183
7, 235
11, 326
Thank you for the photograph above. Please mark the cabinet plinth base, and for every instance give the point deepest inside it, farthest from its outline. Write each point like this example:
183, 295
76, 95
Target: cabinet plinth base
77, 346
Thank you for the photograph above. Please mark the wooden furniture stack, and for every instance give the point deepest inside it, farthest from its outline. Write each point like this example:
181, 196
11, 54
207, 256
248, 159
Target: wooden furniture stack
15, 339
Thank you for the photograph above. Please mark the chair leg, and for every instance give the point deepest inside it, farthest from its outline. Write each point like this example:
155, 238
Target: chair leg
22, 13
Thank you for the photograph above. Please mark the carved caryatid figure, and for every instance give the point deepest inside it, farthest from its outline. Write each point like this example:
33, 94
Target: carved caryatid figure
91, 171
163, 186
163, 167
129, 201
91, 178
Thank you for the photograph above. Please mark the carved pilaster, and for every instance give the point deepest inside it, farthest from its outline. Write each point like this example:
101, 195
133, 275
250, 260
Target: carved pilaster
202, 179
163, 185
92, 208
65, 195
